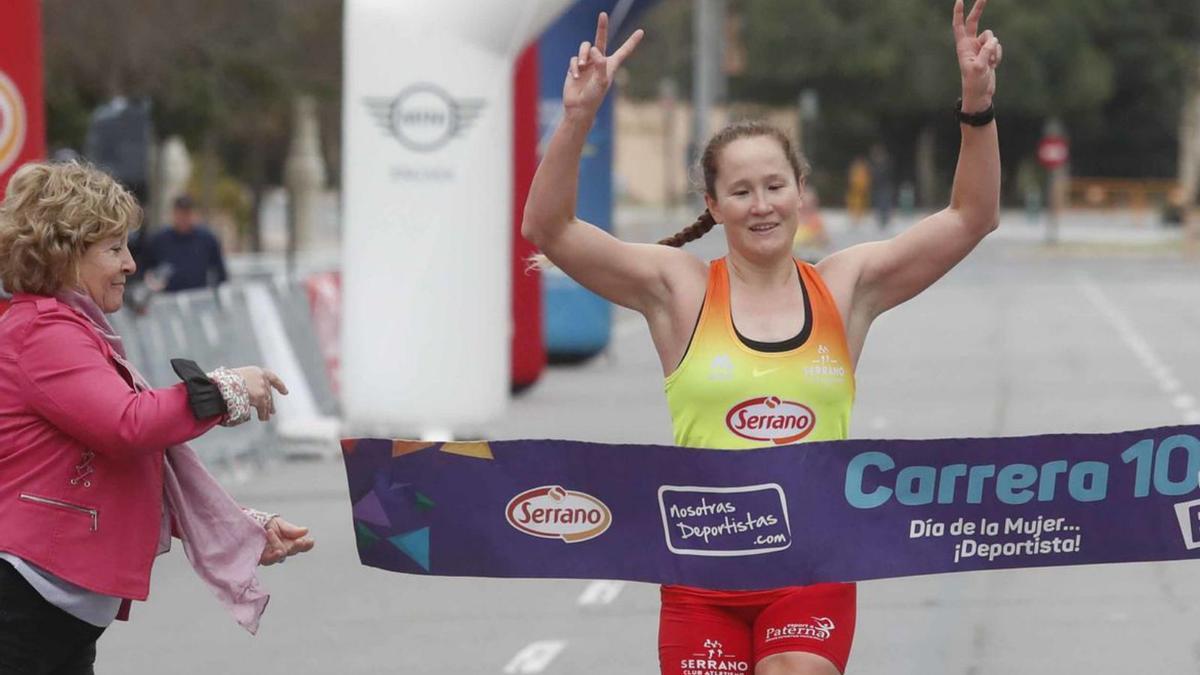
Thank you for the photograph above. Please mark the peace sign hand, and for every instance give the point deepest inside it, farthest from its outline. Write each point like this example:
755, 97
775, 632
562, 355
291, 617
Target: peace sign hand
978, 56
591, 72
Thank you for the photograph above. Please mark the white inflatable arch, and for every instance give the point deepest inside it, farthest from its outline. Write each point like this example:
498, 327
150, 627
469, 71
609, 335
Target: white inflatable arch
427, 191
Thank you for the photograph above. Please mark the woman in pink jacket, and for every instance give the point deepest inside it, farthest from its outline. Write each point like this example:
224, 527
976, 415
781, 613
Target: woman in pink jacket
94, 474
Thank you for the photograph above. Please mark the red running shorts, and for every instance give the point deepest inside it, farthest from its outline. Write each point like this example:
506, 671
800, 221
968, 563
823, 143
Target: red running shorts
704, 632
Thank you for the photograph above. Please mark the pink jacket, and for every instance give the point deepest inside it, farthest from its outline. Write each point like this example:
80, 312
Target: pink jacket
81, 453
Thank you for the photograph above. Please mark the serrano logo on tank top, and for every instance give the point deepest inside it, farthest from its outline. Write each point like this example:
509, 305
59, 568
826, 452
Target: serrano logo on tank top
769, 418
551, 512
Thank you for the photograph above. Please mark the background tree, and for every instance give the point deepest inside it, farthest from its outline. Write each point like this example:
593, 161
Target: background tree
223, 74
220, 73
1112, 70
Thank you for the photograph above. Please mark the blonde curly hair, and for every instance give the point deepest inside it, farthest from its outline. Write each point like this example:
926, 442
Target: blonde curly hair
51, 213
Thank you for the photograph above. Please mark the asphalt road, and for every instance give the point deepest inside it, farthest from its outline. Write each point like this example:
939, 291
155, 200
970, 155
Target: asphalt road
1097, 334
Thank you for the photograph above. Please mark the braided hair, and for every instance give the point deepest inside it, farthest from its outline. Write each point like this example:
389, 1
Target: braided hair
708, 167
692, 232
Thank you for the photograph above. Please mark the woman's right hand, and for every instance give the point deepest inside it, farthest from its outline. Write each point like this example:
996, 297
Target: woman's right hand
591, 71
259, 382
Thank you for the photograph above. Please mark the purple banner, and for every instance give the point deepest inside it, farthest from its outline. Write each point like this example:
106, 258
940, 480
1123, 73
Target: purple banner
790, 515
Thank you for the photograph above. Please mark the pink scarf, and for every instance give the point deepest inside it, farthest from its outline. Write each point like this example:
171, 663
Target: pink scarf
222, 543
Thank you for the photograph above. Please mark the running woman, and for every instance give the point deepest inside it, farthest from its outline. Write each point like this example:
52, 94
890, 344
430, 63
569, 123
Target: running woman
758, 328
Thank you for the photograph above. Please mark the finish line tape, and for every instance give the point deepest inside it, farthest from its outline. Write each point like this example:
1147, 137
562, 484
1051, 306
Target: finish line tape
790, 515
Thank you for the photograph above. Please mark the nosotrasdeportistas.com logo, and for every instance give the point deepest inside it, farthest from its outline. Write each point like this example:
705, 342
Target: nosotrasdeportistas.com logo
724, 521
769, 418
551, 512
424, 117
12, 122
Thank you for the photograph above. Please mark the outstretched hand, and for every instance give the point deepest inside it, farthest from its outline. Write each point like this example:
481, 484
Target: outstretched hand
283, 540
591, 71
259, 383
978, 56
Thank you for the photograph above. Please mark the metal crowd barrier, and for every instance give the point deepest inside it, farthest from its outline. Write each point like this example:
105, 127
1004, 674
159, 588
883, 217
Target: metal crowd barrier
240, 324
292, 300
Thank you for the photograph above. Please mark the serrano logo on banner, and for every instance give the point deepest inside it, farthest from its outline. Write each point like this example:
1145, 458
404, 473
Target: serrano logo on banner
424, 117
12, 122
554, 513
768, 418
727, 521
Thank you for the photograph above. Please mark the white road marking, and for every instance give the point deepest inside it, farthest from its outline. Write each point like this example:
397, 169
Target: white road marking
535, 657
1155, 366
601, 592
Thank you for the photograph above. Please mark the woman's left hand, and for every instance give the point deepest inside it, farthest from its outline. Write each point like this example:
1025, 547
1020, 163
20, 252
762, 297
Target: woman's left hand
978, 56
284, 539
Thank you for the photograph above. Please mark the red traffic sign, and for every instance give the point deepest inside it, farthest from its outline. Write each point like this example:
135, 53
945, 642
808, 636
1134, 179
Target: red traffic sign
1053, 152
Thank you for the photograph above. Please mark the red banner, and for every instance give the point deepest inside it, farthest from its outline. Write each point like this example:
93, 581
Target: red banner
22, 128
528, 345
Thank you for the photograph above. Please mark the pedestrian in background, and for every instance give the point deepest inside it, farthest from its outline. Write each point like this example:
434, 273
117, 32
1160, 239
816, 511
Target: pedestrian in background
811, 242
95, 476
881, 185
858, 189
186, 254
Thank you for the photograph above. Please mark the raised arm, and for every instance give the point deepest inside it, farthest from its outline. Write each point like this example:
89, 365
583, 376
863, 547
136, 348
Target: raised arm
634, 275
885, 274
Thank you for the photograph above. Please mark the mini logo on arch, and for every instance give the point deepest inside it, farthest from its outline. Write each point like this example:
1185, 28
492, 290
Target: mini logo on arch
424, 117
553, 512
770, 418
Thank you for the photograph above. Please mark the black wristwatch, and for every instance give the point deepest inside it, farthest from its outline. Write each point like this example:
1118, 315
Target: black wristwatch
978, 119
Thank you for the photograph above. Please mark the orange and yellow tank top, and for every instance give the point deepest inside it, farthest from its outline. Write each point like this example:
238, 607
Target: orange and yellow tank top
729, 392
